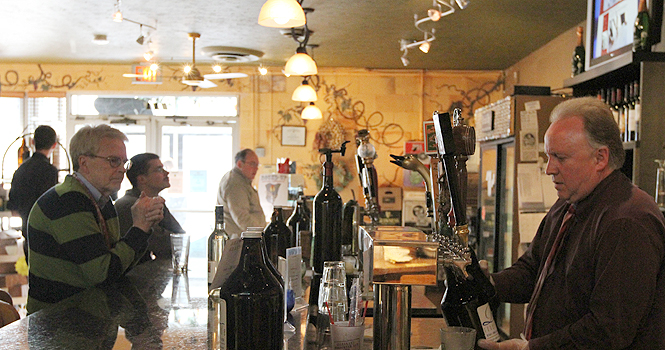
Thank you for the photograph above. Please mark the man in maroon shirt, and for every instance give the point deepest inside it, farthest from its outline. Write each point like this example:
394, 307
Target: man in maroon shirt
605, 285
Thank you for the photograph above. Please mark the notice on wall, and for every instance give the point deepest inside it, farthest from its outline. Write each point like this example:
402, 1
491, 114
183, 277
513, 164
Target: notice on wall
529, 188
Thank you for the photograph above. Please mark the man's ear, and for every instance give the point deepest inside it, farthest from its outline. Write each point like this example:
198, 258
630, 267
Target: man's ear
602, 155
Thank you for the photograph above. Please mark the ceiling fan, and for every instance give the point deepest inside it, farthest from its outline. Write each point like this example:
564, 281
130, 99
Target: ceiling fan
193, 76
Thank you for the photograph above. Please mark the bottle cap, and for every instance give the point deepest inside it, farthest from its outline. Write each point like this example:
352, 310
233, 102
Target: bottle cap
251, 234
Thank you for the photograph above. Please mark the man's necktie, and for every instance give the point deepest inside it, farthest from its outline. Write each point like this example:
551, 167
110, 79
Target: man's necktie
546, 270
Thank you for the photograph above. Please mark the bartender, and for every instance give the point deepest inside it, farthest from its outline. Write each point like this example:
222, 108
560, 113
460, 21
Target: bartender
594, 275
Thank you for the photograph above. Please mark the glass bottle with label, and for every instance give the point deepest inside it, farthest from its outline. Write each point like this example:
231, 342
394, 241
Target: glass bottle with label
277, 236
216, 242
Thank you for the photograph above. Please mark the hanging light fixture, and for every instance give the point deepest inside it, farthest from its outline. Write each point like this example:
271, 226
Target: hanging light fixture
117, 12
148, 55
282, 14
304, 93
311, 112
301, 63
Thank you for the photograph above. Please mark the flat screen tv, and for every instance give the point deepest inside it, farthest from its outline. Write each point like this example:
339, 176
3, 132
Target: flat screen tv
610, 26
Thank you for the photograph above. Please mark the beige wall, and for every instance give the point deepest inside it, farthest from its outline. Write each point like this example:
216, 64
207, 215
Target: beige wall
391, 104
549, 66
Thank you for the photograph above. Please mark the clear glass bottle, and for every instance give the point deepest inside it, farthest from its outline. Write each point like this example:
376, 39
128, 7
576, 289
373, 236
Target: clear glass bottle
216, 242
247, 311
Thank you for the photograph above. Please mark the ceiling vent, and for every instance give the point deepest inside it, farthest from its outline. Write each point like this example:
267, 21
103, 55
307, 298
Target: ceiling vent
227, 54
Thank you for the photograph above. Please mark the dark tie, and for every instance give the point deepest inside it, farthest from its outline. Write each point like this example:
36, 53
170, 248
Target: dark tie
546, 270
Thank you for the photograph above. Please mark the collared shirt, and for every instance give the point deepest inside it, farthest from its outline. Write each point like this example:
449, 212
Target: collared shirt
242, 206
101, 200
607, 286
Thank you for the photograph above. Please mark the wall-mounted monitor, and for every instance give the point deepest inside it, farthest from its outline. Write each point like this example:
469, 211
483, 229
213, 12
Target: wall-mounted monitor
610, 26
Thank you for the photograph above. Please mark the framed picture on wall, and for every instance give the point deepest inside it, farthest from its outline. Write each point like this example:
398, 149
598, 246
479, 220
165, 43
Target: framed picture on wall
294, 135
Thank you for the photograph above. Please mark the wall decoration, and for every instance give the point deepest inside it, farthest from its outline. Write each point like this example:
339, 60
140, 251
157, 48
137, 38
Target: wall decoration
471, 99
293, 135
44, 81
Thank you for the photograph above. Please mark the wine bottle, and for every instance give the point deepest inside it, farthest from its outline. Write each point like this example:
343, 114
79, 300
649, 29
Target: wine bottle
277, 236
638, 108
455, 297
216, 242
579, 53
612, 96
300, 220
249, 305
630, 105
23, 152
327, 224
641, 38
482, 294
624, 104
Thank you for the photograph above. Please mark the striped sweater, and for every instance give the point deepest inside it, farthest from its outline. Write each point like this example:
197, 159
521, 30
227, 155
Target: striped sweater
68, 252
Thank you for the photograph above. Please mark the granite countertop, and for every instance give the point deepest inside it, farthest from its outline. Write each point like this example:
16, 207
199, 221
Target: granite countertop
134, 313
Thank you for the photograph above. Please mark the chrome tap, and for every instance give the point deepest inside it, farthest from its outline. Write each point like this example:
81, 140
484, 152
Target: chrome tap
368, 177
411, 162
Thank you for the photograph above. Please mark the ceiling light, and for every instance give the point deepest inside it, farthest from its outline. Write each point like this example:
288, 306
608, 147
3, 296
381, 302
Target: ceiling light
117, 14
187, 69
216, 68
300, 64
405, 61
434, 14
424, 47
148, 55
100, 39
282, 14
462, 3
311, 112
154, 67
263, 70
304, 93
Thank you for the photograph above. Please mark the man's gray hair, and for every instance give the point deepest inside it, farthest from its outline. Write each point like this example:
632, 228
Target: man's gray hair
242, 155
86, 141
599, 125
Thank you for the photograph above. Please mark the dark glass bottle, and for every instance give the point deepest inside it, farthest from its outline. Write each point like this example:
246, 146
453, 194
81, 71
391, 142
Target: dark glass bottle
250, 303
23, 152
579, 53
300, 220
641, 39
216, 242
482, 294
327, 224
455, 297
277, 236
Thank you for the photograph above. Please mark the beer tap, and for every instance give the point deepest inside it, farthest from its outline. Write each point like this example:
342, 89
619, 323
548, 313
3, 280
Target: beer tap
368, 177
455, 145
411, 162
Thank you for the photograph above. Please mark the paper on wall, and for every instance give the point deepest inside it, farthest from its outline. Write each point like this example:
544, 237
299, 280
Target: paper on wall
529, 187
529, 223
528, 145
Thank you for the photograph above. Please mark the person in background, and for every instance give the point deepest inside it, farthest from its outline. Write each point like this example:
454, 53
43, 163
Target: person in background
34, 177
604, 287
74, 235
242, 207
147, 174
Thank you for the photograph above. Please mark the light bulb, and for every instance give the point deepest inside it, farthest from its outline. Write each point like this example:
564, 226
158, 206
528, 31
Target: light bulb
424, 47
263, 70
187, 69
147, 55
154, 67
434, 14
217, 68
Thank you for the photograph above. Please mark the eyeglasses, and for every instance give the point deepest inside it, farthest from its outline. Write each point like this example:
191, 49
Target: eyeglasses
114, 162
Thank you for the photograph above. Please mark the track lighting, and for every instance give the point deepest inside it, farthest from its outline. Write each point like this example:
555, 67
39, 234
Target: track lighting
117, 12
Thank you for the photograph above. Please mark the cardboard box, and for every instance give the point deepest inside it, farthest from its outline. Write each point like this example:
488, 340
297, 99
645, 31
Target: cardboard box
390, 198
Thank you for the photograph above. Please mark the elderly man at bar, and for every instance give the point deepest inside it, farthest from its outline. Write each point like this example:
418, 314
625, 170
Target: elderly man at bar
594, 275
74, 237
242, 207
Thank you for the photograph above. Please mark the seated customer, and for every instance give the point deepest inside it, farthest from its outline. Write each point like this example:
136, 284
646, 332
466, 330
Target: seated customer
73, 231
146, 173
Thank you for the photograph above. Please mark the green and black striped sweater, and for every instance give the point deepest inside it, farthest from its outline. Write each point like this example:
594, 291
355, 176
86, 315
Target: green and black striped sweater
68, 252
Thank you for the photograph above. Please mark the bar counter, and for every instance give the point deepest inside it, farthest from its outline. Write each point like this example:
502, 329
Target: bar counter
139, 312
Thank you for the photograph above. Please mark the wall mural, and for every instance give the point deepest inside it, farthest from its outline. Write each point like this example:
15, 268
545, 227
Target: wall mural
342, 110
46, 82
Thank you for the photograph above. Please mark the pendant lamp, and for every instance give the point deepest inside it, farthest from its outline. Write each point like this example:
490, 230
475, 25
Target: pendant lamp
282, 14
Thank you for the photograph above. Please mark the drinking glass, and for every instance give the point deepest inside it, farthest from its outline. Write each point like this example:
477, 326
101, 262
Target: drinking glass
458, 338
332, 303
179, 252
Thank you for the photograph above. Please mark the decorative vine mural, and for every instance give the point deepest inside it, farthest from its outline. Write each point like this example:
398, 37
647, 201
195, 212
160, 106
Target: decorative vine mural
471, 99
46, 82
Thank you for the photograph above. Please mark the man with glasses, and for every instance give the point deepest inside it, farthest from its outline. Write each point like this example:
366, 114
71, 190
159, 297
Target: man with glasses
73, 230
242, 207
147, 174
